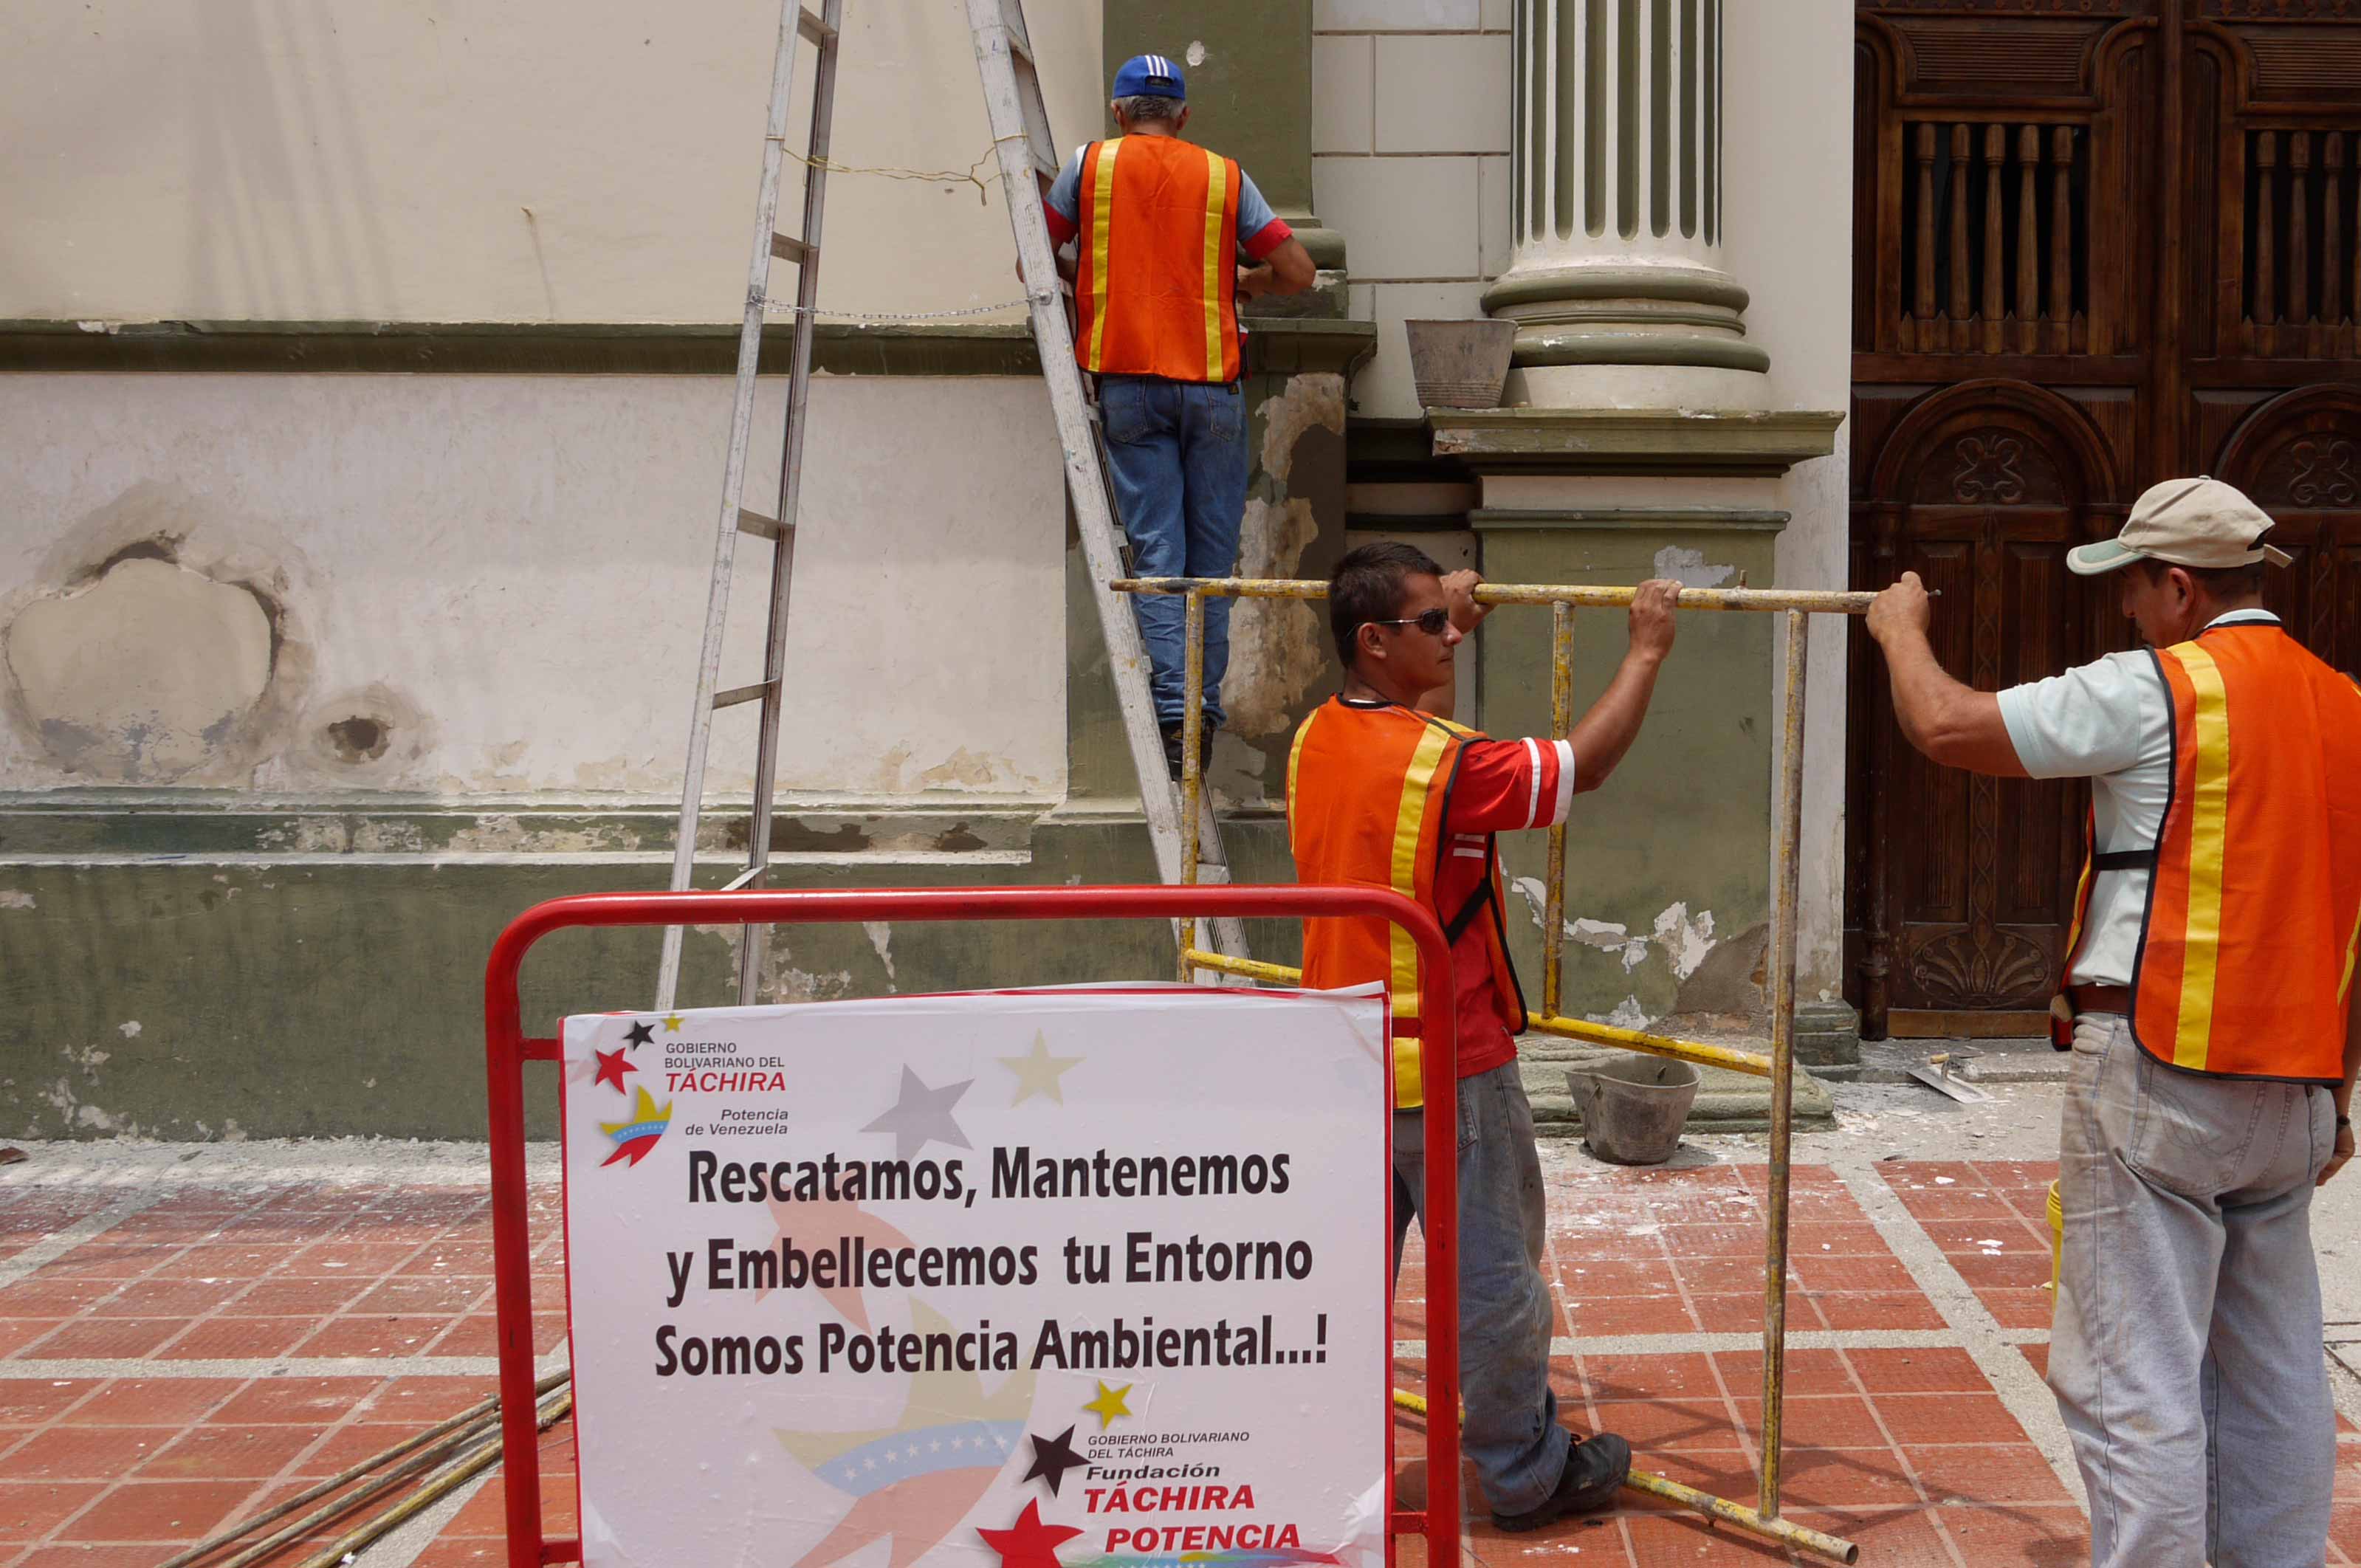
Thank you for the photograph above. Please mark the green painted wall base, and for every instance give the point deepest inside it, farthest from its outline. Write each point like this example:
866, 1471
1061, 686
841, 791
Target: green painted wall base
1667, 866
222, 993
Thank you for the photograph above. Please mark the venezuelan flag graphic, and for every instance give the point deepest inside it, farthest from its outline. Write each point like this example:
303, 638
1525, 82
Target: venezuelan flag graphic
636, 1135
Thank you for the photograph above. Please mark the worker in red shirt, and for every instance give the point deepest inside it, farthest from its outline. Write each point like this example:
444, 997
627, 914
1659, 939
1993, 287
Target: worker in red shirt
1383, 789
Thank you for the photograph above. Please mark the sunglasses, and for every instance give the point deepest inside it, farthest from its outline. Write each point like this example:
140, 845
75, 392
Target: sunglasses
1432, 622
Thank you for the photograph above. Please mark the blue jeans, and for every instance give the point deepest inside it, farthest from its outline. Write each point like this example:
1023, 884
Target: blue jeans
1510, 1433
1176, 455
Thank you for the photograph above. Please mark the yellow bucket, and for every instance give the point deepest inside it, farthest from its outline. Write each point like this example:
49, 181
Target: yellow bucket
2056, 1240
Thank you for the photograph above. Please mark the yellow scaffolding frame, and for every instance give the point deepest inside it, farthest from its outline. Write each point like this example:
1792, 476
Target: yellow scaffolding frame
1563, 598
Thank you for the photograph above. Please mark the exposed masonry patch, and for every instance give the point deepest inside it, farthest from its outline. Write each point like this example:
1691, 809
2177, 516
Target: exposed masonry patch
1686, 942
359, 738
154, 645
1690, 569
11, 898
881, 937
1628, 1014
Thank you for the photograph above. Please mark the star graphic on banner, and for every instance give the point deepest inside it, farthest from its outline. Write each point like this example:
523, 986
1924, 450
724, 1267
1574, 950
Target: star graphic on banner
1028, 1543
1037, 1071
612, 1066
636, 1134
639, 1034
1052, 1457
672, 1021
1109, 1405
915, 1482
825, 1218
922, 1114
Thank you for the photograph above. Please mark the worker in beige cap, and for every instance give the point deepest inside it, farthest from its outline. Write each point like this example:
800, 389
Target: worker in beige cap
2209, 1001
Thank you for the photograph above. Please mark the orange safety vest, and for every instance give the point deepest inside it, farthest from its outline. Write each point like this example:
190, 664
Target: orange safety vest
1368, 791
2253, 908
1156, 288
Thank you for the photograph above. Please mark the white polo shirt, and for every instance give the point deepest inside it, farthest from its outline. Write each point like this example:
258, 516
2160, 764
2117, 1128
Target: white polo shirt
2109, 721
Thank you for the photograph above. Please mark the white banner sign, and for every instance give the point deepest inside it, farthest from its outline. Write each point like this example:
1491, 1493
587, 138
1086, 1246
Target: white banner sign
1004, 1280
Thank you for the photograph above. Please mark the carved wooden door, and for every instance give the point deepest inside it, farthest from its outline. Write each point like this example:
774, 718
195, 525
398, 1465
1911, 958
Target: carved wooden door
2099, 243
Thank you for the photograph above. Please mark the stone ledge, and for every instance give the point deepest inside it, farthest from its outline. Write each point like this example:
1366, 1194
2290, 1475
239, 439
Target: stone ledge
1280, 345
1633, 440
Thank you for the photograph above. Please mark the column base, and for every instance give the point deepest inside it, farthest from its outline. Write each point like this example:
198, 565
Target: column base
1827, 1034
1629, 334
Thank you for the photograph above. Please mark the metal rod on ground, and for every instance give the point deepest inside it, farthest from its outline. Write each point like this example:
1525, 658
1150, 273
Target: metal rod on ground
1697, 1051
1584, 596
468, 1417
1193, 782
475, 1461
1561, 726
1782, 1051
485, 1429
1705, 1503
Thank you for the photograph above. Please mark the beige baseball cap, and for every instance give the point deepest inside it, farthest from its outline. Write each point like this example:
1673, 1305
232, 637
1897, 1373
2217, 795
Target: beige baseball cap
2198, 522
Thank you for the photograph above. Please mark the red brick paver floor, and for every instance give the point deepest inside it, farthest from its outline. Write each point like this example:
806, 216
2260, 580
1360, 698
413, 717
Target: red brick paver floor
198, 1360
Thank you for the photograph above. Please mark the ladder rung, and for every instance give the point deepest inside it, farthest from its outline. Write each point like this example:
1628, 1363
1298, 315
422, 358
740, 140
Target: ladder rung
742, 878
813, 29
755, 523
788, 248
737, 695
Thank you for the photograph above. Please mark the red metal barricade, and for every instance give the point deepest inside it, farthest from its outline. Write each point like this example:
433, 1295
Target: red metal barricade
508, 1049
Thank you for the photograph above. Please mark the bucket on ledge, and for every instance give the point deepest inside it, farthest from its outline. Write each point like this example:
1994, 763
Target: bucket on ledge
1460, 365
1633, 1108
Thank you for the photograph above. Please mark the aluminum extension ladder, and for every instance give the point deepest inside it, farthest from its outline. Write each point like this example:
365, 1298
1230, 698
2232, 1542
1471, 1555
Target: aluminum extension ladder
1028, 163
822, 30
1028, 158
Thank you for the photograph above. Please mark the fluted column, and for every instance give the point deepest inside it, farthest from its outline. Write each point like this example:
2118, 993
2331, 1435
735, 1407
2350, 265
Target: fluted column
1616, 278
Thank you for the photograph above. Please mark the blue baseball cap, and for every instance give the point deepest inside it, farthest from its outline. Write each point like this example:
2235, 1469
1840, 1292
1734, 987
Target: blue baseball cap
1150, 76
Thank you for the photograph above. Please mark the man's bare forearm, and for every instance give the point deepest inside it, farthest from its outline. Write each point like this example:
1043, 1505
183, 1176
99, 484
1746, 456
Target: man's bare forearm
1949, 722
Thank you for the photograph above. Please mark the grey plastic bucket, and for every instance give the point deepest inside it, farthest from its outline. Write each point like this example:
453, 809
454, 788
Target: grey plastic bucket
1460, 364
1633, 1108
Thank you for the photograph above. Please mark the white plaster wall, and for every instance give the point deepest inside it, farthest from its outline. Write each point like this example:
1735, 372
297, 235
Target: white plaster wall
1788, 186
512, 572
458, 160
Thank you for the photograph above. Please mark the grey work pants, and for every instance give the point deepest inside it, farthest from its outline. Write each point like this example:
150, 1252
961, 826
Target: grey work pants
2186, 1351
1510, 1433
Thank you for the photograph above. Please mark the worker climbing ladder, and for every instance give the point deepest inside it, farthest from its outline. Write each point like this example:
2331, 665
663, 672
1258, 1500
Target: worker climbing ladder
1020, 129
1028, 163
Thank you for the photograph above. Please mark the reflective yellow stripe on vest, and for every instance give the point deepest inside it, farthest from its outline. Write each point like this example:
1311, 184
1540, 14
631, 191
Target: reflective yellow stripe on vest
1217, 193
1295, 761
1410, 818
2208, 834
1102, 221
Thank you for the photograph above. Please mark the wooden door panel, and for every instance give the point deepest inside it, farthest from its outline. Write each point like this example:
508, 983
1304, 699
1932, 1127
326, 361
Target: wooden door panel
2098, 244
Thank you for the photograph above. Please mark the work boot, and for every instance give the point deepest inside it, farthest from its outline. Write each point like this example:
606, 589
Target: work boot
1173, 756
1594, 1468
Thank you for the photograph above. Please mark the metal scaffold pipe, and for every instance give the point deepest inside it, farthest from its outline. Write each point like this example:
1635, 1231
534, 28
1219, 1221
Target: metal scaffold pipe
1580, 595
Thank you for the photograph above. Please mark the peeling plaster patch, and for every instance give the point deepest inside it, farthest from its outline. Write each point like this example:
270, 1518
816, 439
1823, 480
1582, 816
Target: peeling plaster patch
141, 676
1628, 1014
10, 898
156, 643
962, 767
1275, 649
1690, 569
1686, 941
129, 1028
1307, 402
881, 937
887, 780
372, 733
